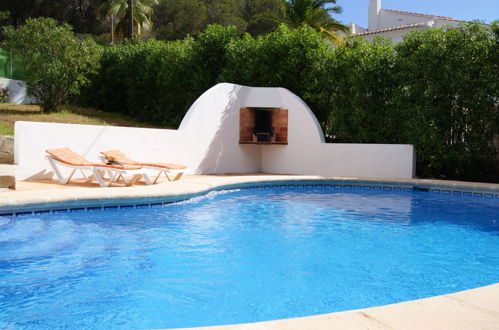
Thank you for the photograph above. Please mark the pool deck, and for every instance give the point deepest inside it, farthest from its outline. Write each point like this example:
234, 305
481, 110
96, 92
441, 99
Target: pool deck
471, 309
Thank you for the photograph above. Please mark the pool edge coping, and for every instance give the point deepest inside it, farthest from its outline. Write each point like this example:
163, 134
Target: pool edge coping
468, 309
17, 201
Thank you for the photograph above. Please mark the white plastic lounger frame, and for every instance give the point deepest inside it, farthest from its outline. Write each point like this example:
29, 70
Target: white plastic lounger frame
98, 173
178, 173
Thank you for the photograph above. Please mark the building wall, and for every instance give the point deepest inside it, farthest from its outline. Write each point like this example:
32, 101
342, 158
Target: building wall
373, 11
208, 141
388, 19
440, 23
379, 18
398, 35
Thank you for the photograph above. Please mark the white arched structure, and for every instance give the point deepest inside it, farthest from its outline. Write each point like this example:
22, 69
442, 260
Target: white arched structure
208, 141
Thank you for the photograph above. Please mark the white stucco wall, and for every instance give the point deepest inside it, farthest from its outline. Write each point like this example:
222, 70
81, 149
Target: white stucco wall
387, 19
343, 159
208, 141
32, 139
373, 11
17, 89
441, 23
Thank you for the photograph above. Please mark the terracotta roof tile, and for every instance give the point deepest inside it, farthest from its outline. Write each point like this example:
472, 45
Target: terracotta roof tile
418, 14
394, 28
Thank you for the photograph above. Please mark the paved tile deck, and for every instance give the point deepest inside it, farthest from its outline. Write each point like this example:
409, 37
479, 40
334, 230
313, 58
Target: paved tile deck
471, 309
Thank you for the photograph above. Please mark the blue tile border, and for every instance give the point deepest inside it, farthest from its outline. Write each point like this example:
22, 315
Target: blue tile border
63, 207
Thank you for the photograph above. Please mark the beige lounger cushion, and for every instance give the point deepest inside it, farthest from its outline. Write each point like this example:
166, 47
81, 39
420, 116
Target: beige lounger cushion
68, 156
118, 155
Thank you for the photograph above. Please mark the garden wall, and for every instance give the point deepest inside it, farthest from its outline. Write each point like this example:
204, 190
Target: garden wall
208, 141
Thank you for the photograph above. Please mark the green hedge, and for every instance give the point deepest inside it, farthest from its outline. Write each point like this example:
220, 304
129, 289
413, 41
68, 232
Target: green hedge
437, 90
158, 81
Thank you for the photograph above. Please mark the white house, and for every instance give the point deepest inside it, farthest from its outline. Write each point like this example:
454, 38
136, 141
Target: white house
395, 23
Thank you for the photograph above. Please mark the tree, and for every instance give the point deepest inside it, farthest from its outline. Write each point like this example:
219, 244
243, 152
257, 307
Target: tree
80, 14
225, 12
142, 14
263, 16
176, 19
56, 63
316, 14
18, 10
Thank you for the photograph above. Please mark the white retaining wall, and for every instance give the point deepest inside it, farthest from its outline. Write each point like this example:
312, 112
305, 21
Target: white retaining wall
208, 141
17, 90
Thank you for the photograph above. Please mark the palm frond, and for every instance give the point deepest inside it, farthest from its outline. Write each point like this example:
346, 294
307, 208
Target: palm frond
142, 13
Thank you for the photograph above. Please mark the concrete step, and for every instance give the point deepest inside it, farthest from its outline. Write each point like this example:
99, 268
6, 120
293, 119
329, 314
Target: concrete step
6, 150
6, 158
7, 177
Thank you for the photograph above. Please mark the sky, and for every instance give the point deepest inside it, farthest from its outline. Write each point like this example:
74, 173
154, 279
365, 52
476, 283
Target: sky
355, 11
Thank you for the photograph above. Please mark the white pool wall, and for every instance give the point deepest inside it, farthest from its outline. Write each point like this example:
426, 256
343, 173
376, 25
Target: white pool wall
208, 141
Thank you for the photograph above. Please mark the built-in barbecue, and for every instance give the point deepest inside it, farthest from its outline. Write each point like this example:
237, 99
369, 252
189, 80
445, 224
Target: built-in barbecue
263, 126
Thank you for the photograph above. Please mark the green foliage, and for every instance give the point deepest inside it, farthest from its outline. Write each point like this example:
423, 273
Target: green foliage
286, 58
158, 81
225, 12
362, 83
449, 84
56, 63
142, 14
316, 14
81, 14
438, 89
263, 16
176, 19
210, 52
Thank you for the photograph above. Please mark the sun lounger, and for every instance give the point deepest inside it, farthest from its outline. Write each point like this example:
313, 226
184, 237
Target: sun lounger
166, 168
68, 158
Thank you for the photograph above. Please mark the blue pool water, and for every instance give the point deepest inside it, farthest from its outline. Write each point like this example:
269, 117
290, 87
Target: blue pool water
242, 256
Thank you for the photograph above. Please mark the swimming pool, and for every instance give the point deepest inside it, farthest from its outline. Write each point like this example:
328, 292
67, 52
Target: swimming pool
243, 256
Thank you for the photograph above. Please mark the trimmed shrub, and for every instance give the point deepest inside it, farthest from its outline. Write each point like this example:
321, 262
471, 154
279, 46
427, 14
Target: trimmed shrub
293, 59
363, 84
449, 87
158, 81
56, 63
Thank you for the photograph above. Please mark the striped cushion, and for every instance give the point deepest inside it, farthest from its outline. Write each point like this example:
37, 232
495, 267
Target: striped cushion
119, 156
68, 156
